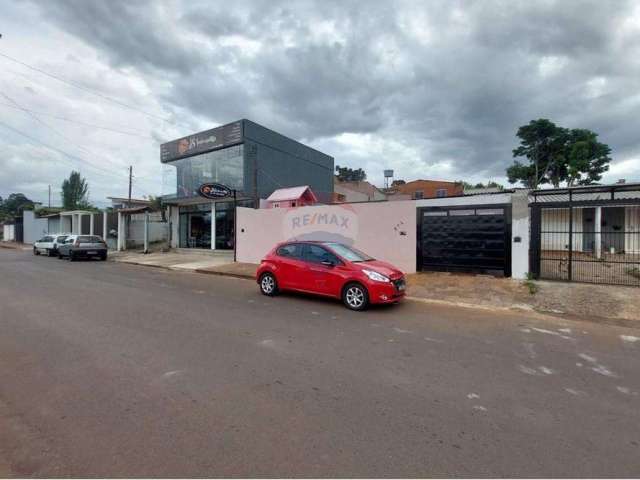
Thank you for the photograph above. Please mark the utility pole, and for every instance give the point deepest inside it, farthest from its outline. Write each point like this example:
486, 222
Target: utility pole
130, 181
49, 196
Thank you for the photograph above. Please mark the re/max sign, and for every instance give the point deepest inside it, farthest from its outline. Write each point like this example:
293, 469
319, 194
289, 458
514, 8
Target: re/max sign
308, 219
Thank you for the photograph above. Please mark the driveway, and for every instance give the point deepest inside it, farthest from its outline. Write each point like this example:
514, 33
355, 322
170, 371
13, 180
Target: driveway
108, 369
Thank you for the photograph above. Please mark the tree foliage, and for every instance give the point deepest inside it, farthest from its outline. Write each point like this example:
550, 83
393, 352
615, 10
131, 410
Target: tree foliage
13, 205
346, 174
555, 154
75, 192
490, 184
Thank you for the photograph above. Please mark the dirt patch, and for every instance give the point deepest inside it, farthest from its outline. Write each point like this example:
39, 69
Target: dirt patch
560, 298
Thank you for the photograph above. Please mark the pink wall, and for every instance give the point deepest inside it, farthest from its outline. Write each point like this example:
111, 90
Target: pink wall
384, 230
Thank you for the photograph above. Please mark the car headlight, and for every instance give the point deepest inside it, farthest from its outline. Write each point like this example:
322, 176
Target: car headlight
375, 276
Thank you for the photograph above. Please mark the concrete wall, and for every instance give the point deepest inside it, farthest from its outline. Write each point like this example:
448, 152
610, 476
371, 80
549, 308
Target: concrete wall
386, 231
34, 228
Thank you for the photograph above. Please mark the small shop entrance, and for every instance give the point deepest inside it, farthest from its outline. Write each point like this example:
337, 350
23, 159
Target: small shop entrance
195, 230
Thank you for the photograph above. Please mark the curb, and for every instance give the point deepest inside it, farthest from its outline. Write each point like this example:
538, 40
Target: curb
225, 274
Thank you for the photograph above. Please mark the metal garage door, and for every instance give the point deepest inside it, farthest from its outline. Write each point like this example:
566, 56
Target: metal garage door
467, 239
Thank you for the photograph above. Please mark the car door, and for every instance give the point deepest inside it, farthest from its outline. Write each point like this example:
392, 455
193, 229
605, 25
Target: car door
290, 267
324, 273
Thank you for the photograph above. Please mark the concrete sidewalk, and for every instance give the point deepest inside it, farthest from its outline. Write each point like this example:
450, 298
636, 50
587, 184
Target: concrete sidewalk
175, 261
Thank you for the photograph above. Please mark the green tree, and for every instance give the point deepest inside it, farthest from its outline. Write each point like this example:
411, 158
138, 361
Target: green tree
74, 192
14, 204
489, 184
587, 158
556, 154
542, 142
346, 174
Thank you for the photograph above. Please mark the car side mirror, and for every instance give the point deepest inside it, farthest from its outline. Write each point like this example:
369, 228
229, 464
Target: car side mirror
328, 263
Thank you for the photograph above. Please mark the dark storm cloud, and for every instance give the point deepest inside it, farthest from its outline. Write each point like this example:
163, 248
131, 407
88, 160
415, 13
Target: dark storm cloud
453, 80
129, 32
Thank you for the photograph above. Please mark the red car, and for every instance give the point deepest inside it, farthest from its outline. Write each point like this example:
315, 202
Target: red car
330, 269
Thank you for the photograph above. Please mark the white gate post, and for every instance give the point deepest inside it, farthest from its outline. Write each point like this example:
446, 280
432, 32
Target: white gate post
146, 232
598, 235
91, 220
104, 226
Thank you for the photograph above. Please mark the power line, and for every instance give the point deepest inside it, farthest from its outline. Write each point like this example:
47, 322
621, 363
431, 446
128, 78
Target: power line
81, 87
61, 135
100, 127
58, 150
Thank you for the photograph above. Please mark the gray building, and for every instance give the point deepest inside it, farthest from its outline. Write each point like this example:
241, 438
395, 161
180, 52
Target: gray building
242, 156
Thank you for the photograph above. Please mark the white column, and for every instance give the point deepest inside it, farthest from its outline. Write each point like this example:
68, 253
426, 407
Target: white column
146, 232
104, 226
91, 220
598, 235
121, 239
213, 225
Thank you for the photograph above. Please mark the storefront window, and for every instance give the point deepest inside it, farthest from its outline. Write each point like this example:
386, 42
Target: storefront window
224, 166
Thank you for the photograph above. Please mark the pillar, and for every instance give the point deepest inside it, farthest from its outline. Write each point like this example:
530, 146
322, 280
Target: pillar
91, 220
213, 226
121, 232
146, 232
105, 234
598, 232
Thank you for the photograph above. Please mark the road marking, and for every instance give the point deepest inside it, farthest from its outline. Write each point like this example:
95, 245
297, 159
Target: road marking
588, 358
545, 370
550, 332
400, 330
527, 370
479, 407
629, 338
473, 395
171, 373
574, 392
429, 339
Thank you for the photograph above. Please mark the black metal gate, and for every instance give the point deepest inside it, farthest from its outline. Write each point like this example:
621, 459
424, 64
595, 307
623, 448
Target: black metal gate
586, 234
465, 239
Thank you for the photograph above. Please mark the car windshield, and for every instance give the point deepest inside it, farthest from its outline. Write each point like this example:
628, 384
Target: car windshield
349, 253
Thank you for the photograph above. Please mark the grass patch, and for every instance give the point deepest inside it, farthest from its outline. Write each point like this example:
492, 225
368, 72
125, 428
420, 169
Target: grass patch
530, 284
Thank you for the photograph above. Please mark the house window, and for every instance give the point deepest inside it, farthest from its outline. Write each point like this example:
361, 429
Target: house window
293, 204
441, 192
418, 194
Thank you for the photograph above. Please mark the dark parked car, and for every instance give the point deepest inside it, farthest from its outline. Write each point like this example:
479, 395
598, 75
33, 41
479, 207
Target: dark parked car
330, 269
83, 246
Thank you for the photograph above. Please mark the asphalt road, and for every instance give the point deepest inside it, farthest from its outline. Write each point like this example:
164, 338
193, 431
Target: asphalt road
115, 370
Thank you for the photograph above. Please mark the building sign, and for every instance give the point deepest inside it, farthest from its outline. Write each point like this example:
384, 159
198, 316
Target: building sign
214, 190
206, 141
321, 223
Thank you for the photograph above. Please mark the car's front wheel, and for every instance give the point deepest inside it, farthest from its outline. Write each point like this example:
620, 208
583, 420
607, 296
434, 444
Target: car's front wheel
268, 284
355, 297
35, 251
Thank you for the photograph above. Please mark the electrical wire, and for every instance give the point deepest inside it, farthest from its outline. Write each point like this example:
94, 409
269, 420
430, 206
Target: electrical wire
81, 87
100, 127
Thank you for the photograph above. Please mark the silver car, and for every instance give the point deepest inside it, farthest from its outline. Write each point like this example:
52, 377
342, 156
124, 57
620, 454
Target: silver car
83, 246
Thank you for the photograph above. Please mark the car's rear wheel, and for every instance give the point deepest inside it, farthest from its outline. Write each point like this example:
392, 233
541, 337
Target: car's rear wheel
50, 252
355, 297
72, 257
59, 256
268, 284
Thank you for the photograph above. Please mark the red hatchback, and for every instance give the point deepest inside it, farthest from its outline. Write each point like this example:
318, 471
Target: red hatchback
330, 269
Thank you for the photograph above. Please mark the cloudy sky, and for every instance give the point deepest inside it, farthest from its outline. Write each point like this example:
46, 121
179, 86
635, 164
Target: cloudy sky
431, 89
